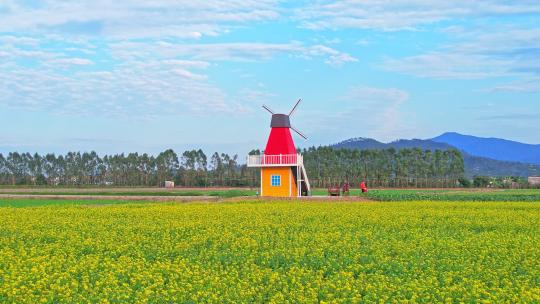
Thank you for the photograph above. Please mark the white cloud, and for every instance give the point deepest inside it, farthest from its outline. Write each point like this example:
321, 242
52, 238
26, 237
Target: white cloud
143, 79
528, 85
495, 53
131, 19
18, 40
403, 14
254, 97
131, 90
334, 57
187, 63
79, 58
448, 65
243, 51
187, 74
66, 62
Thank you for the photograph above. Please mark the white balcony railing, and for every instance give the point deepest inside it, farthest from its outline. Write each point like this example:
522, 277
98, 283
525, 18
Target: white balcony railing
275, 160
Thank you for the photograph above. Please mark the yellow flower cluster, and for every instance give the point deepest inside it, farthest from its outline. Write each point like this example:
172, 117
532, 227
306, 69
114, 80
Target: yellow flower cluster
273, 252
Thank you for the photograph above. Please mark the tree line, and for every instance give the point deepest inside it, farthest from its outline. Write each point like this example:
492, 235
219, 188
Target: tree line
384, 167
325, 166
191, 169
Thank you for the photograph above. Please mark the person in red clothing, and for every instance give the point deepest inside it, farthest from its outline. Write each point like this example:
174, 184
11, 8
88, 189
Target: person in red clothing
363, 187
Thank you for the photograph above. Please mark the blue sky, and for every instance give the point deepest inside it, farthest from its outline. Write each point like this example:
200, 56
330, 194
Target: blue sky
123, 76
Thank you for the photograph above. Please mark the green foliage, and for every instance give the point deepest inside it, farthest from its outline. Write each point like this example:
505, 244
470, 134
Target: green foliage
465, 182
190, 169
387, 168
41, 180
325, 166
481, 181
529, 195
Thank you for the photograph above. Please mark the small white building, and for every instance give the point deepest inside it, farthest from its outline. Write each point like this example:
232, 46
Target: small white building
169, 184
534, 181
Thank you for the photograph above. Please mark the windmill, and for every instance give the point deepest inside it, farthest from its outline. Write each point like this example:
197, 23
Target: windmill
284, 120
282, 168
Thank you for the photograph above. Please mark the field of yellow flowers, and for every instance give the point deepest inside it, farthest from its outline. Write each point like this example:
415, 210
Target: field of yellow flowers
424, 252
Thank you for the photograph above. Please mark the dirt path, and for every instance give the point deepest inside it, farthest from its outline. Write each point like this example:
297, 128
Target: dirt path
314, 198
112, 189
112, 197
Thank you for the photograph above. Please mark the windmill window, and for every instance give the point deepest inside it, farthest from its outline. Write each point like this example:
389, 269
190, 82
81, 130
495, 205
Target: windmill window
276, 180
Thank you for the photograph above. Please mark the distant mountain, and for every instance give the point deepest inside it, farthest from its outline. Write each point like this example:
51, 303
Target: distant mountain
494, 148
368, 143
419, 143
474, 165
360, 143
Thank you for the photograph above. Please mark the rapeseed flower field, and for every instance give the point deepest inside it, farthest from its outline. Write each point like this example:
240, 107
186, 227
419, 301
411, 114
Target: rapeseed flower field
276, 252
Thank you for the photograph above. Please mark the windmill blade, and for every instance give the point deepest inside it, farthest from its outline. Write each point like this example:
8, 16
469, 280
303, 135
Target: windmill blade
299, 133
268, 109
295, 106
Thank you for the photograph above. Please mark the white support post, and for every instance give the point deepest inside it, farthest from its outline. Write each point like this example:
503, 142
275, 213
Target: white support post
290, 183
298, 183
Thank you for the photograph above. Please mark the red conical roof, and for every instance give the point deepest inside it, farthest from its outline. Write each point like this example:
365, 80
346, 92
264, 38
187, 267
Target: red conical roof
280, 142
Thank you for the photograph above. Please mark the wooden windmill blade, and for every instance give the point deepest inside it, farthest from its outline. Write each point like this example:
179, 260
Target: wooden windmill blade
268, 109
299, 133
295, 106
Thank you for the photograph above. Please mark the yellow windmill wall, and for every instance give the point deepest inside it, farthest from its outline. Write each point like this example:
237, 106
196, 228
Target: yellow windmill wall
288, 185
